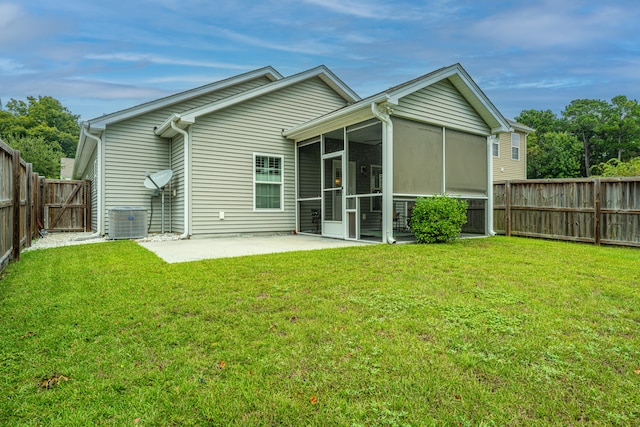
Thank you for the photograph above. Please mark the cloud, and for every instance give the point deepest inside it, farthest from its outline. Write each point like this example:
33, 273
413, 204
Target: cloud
551, 24
185, 79
18, 27
11, 67
163, 60
75, 87
395, 11
309, 47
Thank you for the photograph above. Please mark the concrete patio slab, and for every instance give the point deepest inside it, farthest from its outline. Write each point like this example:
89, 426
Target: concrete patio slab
174, 251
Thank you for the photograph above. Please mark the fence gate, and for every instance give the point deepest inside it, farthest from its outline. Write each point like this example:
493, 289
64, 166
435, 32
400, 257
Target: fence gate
67, 205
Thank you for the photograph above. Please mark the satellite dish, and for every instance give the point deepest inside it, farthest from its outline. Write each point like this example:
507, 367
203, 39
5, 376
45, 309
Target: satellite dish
158, 180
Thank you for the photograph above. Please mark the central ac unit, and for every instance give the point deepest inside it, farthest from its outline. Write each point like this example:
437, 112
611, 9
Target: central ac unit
127, 223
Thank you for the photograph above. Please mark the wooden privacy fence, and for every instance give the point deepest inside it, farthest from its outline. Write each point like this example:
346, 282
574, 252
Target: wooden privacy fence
28, 201
592, 210
18, 224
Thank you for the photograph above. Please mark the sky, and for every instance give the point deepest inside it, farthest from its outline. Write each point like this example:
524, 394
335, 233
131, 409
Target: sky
98, 57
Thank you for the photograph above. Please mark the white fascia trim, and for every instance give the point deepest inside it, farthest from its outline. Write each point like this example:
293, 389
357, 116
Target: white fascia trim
321, 72
353, 113
101, 122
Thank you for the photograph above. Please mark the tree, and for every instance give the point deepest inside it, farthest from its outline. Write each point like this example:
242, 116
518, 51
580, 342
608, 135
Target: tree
553, 155
585, 118
621, 128
551, 152
43, 117
542, 121
45, 156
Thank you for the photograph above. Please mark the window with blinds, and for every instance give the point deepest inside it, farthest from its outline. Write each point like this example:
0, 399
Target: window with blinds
268, 182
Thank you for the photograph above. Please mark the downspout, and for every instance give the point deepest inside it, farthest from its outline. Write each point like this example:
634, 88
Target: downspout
489, 215
171, 192
187, 190
98, 182
387, 174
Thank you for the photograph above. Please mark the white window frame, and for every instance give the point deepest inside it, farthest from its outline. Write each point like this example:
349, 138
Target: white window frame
281, 183
515, 145
495, 146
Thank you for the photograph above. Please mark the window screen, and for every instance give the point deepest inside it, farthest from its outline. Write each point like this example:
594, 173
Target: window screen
417, 158
515, 146
466, 163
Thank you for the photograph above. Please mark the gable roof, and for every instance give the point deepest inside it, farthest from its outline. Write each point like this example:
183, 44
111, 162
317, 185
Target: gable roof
99, 123
186, 118
455, 73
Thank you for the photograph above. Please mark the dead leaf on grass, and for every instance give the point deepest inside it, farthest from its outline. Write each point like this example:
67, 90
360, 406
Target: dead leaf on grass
222, 364
313, 399
27, 335
54, 380
637, 371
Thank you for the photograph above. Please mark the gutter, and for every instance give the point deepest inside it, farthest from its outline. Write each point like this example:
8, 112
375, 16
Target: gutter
187, 189
387, 170
97, 181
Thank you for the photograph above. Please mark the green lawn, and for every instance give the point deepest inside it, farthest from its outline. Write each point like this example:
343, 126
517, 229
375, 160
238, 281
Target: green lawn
498, 331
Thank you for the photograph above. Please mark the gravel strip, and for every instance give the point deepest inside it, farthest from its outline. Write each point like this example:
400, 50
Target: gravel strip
54, 240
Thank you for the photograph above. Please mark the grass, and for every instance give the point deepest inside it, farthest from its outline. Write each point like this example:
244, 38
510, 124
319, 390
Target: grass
499, 331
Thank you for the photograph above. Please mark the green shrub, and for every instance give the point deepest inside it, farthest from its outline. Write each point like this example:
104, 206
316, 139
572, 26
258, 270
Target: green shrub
615, 168
438, 219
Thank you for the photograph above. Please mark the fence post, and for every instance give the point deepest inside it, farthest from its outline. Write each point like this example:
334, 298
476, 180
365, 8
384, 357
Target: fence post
596, 211
29, 205
41, 202
16, 205
507, 208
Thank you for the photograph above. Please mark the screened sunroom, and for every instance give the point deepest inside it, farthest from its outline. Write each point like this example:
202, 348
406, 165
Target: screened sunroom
339, 176
360, 169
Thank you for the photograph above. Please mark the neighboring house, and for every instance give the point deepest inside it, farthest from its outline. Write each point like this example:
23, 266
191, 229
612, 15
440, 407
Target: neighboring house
509, 151
66, 168
261, 153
